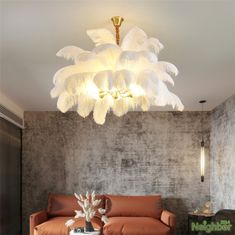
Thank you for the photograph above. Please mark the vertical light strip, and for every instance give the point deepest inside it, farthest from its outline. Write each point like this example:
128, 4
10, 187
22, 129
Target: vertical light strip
202, 161
202, 155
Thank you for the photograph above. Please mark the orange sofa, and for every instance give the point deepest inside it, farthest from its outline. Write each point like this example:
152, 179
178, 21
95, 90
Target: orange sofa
128, 215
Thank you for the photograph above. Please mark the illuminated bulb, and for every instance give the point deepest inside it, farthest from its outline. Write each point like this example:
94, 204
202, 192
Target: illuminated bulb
136, 90
202, 161
92, 91
116, 94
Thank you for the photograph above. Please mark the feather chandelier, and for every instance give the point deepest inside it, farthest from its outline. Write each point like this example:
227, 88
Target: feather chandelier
114, 76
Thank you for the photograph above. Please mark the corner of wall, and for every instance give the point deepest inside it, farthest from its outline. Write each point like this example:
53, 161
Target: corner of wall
11, 105
222, 148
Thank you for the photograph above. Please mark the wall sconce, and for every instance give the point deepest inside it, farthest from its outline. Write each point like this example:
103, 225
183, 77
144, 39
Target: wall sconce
202, 155
202, 163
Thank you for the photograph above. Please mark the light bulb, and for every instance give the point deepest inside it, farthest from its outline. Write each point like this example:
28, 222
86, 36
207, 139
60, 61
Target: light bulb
202, 161
92, 90
136, 90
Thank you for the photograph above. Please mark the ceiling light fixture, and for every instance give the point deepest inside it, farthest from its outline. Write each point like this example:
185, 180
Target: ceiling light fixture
114, 76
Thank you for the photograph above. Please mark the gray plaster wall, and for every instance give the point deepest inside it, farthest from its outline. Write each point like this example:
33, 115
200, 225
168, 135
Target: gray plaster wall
222, 140
140, 153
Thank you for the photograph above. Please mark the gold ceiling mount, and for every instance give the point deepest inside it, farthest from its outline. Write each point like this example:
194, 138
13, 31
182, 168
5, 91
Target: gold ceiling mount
117, 22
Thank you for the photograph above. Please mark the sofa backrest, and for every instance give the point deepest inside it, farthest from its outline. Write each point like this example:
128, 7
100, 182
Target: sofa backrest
133, 206
65, 205
62, 205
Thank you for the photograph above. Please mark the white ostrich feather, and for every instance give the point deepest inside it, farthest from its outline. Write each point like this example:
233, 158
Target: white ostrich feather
119, 81
129, 60
147, 80
144, 103
102, 79
135, 61
149, 56
134, 40
65, 102
70, 52
62, 74
128, 57
176, 102
65, 72
90, 66
59, 79
85, 56
165, 97
165, 77
167, 67
85, 106
152, 86
56, 91
153, 45
125, 75
101, 36
108, 54
120, 107
162, 94
136, 90
101, 108
77, 84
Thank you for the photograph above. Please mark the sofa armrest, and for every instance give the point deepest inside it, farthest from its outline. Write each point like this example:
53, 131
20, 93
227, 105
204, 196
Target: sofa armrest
169, 219
36, 219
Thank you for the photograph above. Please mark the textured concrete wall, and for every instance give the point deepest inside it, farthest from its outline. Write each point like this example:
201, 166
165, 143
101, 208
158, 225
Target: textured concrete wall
223, 155
141, 153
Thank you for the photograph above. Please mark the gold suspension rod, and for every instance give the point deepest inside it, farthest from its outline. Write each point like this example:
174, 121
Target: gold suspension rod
117, 22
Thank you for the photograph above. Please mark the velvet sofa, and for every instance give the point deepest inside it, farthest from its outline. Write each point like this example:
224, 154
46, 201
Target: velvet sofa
128, 215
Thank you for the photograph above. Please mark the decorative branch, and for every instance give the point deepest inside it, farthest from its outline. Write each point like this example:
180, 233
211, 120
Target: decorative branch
89, 205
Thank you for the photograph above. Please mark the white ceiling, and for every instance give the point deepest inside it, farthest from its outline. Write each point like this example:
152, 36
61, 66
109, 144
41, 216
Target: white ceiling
199, 38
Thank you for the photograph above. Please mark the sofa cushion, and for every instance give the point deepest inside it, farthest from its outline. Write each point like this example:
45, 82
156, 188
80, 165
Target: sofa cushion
65, 205
135, 226
143, 206
56, 226
62, 205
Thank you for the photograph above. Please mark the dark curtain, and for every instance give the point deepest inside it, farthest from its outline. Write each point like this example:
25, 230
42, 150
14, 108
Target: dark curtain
10, 178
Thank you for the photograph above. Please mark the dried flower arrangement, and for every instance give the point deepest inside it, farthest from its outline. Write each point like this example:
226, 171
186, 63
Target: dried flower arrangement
89, 205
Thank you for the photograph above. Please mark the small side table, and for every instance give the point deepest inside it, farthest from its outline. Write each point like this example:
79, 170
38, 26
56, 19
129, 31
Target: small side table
81, 233
198, 217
